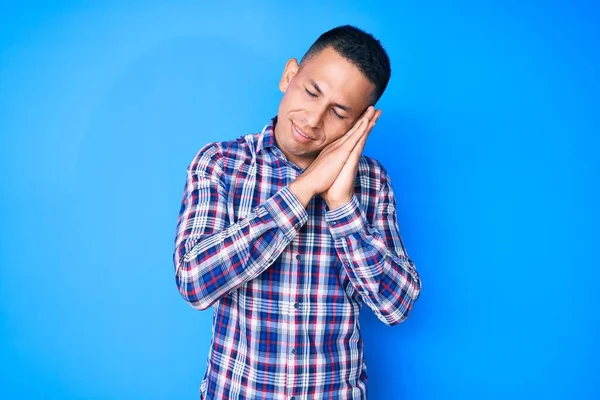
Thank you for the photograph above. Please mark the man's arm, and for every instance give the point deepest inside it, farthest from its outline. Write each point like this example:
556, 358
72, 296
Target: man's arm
374, 256
213, 257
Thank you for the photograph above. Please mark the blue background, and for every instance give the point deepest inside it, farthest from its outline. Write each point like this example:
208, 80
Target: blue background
490, 132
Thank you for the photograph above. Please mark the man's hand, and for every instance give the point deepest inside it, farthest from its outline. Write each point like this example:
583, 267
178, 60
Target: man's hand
342, 189
333, 171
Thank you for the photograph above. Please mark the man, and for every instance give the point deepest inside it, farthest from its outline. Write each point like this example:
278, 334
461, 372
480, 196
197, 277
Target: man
287, 232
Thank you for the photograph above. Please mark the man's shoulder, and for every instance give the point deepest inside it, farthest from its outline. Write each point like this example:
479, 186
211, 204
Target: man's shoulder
372, 166
226, 152
372, 175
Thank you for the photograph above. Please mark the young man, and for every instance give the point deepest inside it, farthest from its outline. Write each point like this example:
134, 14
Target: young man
287, 232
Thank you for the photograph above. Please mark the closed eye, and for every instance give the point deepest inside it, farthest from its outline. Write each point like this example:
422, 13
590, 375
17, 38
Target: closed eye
336, 114
311, 94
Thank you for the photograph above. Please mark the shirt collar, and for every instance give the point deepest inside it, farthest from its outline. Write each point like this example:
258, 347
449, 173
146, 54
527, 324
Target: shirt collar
267, 136
267, 139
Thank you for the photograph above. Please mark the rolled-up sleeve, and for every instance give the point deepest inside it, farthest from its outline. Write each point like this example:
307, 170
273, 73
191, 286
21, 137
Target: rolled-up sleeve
212, 257
374, 255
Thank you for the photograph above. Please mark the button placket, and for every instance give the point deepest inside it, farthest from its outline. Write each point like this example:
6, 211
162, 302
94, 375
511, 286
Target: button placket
291, 315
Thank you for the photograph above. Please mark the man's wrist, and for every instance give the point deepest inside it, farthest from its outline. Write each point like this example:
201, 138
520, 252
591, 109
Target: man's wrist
303, 193
332, 205
346, 220
338, 202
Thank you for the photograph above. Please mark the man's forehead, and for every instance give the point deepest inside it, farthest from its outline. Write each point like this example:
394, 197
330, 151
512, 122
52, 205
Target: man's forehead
333, 75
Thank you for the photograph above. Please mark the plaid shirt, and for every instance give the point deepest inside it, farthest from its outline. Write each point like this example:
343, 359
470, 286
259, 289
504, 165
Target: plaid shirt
286, 282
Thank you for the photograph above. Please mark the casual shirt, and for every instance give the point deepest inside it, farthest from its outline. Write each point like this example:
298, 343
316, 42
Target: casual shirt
286, 283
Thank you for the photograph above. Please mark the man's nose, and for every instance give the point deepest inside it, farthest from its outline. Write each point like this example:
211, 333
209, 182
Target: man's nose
315, 116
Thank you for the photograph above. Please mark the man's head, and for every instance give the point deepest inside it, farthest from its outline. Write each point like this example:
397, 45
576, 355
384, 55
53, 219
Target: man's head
345, 71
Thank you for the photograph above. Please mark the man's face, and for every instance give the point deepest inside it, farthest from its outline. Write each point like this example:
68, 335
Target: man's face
322, 100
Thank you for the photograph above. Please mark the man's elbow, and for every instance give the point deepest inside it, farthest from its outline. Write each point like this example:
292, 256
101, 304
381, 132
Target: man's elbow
192, 293
394, 318
406, 304
191, 297
398, 313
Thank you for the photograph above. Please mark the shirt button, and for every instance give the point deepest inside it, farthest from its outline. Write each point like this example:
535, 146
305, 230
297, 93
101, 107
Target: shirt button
334, 223
296, 305
293, 351
293, 398
297, 256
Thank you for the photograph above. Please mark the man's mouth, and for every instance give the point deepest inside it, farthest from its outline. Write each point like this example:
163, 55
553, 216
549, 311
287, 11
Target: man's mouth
299, 134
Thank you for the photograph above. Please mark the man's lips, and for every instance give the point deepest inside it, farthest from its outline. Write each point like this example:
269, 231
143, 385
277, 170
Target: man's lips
300, 133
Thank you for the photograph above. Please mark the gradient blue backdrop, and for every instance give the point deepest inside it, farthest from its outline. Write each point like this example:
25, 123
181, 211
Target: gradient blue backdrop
490, 132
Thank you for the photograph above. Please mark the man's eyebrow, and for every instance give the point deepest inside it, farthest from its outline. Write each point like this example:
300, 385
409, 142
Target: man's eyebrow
318, 89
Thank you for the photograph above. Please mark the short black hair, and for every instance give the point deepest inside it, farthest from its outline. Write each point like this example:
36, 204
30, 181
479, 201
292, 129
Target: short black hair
361, 49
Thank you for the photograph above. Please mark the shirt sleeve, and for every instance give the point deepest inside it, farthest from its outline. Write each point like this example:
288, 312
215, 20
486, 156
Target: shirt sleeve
213, 257
374, 256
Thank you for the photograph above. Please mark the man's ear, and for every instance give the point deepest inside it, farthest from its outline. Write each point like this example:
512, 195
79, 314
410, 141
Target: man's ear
291, 68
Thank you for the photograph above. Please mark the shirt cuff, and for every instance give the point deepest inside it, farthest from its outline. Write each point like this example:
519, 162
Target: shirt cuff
287, 211
346, 219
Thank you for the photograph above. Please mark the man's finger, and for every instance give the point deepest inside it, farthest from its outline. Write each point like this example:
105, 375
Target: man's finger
377, 115
360, 145
357, 127
351, 140
368, 112
366, 116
